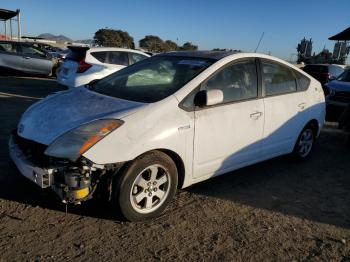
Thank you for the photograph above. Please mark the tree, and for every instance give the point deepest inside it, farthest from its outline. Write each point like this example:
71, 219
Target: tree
219, 49
114, 38
189, 46
169, 45
152, 43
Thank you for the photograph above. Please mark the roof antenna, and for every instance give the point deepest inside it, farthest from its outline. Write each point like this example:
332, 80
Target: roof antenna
261, 37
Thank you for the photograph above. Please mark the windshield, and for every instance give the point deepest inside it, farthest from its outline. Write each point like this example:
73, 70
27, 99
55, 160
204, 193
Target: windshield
345, 77
152, 79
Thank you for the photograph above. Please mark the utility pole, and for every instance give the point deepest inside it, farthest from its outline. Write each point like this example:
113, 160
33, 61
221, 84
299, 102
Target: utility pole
5, 23
19, 33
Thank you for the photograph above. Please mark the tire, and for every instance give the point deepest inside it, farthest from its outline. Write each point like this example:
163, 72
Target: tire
305, 142
55, 71
145, 188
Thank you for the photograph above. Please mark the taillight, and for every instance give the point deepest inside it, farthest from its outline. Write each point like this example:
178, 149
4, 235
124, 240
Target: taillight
83, 66
327, 75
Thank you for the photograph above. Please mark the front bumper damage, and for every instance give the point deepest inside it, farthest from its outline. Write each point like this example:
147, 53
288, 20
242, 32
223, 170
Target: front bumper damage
72, 182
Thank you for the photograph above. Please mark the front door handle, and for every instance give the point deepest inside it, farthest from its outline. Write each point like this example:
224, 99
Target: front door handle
26, 57
256, 115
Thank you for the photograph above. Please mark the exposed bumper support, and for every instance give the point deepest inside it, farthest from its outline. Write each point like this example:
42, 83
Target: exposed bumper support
72, 182
40, 176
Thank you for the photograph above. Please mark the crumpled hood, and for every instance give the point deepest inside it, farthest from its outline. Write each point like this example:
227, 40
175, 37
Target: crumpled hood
339, 85
53, 116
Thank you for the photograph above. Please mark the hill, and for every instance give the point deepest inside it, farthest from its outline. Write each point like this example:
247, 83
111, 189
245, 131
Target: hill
60, 38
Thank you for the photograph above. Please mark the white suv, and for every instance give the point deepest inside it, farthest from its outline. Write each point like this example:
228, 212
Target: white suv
84, 64
165, 123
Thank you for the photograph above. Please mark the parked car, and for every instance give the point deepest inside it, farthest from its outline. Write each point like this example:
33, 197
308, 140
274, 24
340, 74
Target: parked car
26, 58
339, 95
165, 123
324, 73
60, 54
84, 64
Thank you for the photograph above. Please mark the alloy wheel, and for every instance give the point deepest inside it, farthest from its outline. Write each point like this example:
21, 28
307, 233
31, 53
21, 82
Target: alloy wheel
150, 189
305, 142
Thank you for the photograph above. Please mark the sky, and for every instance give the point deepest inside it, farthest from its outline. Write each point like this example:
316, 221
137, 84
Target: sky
208, 24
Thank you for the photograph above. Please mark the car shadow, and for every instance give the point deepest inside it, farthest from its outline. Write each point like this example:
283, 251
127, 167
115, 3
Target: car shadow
316, 189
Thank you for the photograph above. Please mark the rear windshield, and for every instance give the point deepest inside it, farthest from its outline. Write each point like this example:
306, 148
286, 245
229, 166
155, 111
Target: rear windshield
152, 79
76, 54
316, 69
345, 77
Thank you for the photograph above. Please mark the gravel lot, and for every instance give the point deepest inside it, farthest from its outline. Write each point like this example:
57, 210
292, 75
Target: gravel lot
276, 210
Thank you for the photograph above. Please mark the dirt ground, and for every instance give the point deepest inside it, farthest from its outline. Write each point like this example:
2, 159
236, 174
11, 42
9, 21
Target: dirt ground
279, 210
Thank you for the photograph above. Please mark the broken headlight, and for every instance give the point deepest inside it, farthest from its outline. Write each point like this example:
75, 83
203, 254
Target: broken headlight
76, 142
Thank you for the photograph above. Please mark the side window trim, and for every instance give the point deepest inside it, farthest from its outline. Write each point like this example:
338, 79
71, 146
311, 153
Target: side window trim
130, 58
18, 49
198, 88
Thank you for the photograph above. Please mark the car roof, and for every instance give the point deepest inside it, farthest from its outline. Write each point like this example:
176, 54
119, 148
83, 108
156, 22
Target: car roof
217, 55
323, 65
20, 42
8, 41
100, 49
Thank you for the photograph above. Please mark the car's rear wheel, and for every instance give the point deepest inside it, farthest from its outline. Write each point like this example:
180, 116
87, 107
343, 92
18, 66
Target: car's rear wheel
146, 187
305, 142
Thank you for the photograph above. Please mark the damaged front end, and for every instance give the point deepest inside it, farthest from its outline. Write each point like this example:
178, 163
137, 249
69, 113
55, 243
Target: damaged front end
76, 182
73, 182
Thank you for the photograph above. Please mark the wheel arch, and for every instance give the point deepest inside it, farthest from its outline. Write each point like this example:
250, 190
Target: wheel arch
314, 123
178, 162
180, 166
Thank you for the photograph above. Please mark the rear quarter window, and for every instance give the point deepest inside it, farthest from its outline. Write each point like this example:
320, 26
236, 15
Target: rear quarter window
303, 81
76, 55
135, 57
100, 56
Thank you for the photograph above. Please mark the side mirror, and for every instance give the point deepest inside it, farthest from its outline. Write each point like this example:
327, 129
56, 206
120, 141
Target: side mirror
208, 97
332, 78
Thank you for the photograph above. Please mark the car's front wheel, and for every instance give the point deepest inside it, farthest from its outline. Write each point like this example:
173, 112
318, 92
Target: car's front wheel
146, 187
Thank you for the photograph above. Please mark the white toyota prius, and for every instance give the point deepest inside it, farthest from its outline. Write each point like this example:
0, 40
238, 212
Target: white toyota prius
165, 123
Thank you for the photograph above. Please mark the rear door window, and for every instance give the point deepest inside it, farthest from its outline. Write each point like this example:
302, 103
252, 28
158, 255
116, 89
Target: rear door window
277, 79
100, 56
31, 50
118, 58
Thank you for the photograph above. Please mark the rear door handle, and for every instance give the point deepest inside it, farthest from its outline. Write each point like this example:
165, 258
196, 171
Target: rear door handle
302, 106
256, 115
26, 57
